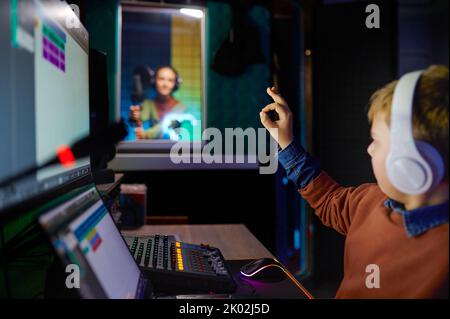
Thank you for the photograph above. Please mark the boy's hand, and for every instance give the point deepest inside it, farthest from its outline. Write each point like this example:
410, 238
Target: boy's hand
284, 124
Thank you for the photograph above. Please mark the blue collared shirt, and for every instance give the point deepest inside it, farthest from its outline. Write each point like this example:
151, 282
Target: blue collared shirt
301, 168
419, 220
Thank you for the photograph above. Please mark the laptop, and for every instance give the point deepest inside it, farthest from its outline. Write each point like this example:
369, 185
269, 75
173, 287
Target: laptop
97, 259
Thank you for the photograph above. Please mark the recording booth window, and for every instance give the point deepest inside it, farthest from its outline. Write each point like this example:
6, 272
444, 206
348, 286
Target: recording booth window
162, 96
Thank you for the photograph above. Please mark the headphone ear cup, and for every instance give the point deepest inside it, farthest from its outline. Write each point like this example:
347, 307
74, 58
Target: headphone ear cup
178, 82
408, 175
432, 156
412, 175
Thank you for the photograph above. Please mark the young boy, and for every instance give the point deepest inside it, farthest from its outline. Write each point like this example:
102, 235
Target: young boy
402, 237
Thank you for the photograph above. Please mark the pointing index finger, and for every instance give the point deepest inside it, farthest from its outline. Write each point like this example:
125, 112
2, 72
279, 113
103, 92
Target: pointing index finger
275, 96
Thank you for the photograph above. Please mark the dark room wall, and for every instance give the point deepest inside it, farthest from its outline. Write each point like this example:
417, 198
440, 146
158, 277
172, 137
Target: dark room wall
101, 19
350, 63
236, 101
422, 34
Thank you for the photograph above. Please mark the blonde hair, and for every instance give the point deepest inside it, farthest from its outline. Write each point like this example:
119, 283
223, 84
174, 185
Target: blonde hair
430, 108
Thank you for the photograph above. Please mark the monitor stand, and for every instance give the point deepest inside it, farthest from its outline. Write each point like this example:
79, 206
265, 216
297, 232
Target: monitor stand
103, 176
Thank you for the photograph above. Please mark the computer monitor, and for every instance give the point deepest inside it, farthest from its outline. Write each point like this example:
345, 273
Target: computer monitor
84, 234
99, 105
44, 86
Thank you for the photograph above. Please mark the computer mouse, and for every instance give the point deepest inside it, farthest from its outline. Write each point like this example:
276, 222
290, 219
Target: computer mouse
264, 268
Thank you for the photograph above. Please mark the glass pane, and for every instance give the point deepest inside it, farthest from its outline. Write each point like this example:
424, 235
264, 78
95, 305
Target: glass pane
161, 84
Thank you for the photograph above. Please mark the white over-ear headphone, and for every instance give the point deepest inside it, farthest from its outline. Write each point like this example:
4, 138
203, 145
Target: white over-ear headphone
413, 167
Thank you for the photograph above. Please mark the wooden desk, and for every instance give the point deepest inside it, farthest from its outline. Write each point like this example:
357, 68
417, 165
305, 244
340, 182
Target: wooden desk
235, 241
238, 246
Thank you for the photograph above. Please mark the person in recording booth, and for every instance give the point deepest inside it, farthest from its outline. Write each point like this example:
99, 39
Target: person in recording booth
165, 81
397, 243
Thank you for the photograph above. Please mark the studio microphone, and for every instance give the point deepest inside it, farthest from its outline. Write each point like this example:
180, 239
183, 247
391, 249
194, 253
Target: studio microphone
142, 79
102, 140
138, 90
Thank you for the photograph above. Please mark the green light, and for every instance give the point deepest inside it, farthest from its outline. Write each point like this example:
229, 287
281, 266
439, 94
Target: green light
14, 23
53, 37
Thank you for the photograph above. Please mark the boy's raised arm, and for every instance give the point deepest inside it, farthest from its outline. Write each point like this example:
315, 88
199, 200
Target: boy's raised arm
334, 204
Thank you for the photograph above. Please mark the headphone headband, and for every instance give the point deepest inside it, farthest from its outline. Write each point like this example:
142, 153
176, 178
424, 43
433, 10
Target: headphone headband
402, 115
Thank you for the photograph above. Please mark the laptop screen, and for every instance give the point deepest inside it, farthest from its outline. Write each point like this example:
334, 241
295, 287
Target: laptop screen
85, 237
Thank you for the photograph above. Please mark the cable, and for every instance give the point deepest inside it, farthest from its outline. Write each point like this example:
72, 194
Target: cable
289, 275
24, 233
5, 263
25, 242
299, 285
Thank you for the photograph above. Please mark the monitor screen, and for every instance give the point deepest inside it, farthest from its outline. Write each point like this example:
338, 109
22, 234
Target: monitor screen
84, 234
44, 85
162, 81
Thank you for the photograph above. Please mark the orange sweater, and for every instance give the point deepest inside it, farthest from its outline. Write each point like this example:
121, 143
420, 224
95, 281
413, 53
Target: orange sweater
409, 267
